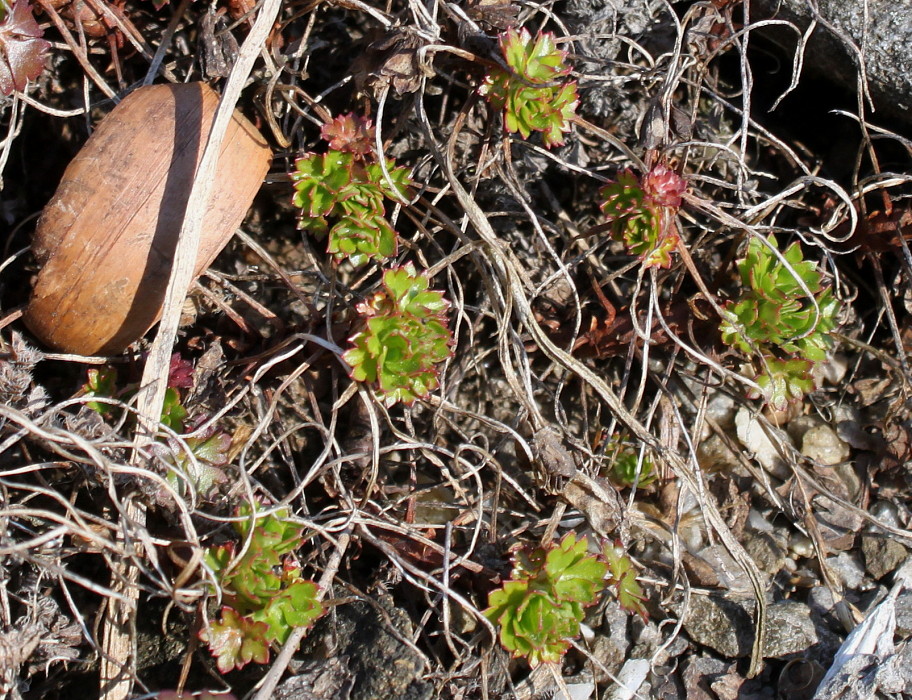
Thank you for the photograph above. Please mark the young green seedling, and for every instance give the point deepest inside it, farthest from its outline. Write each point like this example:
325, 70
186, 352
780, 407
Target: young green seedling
628, 470
403, 339
341, 193
198, 460
642, 213
102, 383
532, 92
775, 322
539, 610
264, 596
622, 577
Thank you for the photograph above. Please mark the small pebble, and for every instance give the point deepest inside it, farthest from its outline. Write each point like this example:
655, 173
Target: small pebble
754, 437
801, 545
821, 444
847, 569
834, 368
886, 512
881, 554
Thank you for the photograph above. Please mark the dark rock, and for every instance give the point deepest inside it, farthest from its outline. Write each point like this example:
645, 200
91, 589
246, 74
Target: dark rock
702, 676
726, 625
322, 679
904, 615
768, 549
885, 42
881, 555
611, 647
357, 653
793, 629
721, 624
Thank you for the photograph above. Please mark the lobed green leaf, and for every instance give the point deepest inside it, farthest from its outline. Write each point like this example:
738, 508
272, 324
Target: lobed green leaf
405, 337
645, 220
530, 94
622, 576
236, 640
774, 316
540, 610
574, 574
783, 381
294, 606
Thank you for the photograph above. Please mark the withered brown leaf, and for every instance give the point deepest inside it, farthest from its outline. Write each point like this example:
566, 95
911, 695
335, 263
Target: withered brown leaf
392, 61
497, 14
22, 49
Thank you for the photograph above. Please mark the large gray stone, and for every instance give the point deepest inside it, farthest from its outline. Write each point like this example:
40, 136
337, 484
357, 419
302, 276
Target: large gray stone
884, 41
357, 653
726, 625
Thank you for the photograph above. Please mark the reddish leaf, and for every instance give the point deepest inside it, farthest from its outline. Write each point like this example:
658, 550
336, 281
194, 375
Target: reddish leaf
350, 133
21, 48
236, 640
664, 185
180, 373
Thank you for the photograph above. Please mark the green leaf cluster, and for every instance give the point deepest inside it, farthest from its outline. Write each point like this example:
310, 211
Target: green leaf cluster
101, 382
775, 310
350, 133
775, 317
205, 469
264, 594
236, 640
173, 412
622, 576
405, 337
209, 451
782, 381
642, 220
531, 92
342, 195
540, 609
628, 470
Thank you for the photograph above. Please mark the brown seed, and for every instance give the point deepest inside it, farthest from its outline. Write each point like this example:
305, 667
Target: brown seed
106, 240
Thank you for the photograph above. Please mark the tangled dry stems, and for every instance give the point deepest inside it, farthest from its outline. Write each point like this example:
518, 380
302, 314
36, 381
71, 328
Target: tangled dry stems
483, 228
